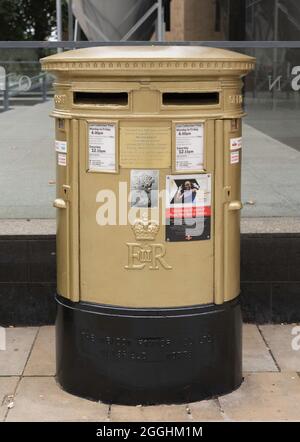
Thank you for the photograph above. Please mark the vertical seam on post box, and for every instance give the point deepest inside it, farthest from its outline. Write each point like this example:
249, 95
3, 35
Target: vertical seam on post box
74, 213
219, 214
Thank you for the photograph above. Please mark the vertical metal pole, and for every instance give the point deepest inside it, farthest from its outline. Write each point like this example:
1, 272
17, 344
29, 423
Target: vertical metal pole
275, 52
253, 23
44, 87
253, 36
160, 23
6, 94
70, 21
59, 22
163, 25
76, 31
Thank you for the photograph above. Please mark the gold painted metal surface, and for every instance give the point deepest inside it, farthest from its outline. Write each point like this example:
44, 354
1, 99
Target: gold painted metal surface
108, 254
59, 203
164, 60
134, 265
232, 179
63, 227
145, 145
235, 205
220, 199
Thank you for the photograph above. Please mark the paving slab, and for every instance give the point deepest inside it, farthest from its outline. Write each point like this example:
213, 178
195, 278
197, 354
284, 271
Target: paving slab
275, 224
205, 411
157, 413
284, 345
19, 342
42, 358
265, 180
7, 389
40, 399
264, 397
256, 356
27, 162
28, 226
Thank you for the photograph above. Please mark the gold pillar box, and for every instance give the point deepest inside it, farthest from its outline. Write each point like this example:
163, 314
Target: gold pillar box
148, 148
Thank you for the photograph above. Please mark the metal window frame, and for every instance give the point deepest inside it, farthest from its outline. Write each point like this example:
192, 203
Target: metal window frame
84, 44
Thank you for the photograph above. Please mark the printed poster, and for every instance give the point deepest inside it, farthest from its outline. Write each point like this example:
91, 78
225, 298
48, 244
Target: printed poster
236, 143
144, 188
102, 147
188, 207
235, 157
61, 146
189, 147
61, 159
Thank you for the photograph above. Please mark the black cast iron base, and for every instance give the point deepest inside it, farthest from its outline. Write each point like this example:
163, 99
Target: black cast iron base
148, 356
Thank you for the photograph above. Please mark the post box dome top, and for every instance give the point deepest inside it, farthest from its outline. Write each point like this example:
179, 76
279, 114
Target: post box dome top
132, 60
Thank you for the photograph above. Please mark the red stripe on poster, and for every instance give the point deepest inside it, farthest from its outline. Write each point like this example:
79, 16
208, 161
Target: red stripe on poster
188, 212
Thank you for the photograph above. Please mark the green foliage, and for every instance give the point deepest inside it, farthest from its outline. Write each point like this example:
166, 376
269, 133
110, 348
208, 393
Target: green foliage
10, 29
29, 19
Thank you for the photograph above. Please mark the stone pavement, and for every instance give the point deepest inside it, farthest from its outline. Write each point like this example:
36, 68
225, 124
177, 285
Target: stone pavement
270, 391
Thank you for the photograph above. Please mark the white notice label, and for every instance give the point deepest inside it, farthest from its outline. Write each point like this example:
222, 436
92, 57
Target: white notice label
189, 147
61, 146
235, 157
235, 143
62, 159
102, 147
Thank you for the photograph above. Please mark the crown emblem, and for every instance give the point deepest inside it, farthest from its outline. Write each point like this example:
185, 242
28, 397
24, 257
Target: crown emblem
145, 229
